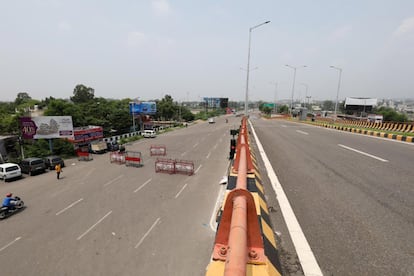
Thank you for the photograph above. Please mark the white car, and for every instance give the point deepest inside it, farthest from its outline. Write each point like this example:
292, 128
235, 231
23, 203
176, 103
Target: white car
148, 133
211, 120
10, 171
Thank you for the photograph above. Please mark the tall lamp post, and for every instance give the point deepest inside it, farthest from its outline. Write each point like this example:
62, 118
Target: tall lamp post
339, 85
293, 86
248, 66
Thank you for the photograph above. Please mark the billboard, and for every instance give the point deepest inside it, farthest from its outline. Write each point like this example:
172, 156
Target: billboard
46, 127
216, 102
86, 134
146, 108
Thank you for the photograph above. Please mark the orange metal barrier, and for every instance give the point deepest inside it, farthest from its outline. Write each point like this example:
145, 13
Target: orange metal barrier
238, 240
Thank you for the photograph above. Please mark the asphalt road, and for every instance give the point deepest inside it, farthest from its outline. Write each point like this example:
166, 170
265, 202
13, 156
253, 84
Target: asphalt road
353, 196
108, 219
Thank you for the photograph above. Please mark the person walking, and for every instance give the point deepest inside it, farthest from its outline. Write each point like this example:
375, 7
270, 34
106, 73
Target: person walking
58, 170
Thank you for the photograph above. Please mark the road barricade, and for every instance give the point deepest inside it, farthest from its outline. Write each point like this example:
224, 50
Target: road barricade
165, 165
84, 154
184, 167
133, 158
158, 150
117, 157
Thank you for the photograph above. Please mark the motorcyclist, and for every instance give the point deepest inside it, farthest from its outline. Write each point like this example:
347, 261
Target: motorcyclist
9, 201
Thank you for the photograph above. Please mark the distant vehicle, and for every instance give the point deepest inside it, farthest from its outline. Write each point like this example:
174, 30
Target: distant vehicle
149, 133
112, 146
211, 120
99, 147
32, 165
373, 118
9, 171
52, 161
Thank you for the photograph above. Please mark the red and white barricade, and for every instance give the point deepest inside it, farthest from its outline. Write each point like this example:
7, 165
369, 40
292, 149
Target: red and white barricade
184, 167
133, 158
165, 165
158, 150
83, 154
117, 157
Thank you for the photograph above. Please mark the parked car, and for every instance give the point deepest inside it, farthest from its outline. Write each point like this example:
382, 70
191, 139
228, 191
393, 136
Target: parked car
52, 161
10, 171
149, 133
32, 165
211, 120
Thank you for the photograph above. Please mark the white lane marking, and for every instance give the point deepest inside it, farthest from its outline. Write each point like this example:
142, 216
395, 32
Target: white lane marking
303, 132
10, 243
307, 259
195, 145
208, 155
284, 125
70, 206
146, 234
182, 189
199, 167
215, 146
219, 202
113, 180
90, 228
363, 153
182, 154
143, 185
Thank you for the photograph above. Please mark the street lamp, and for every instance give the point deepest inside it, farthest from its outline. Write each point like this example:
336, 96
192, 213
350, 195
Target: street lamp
293, 86
248, 66
339, 85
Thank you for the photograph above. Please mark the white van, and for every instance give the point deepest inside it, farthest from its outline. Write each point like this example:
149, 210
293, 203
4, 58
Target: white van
149, 133
10, 171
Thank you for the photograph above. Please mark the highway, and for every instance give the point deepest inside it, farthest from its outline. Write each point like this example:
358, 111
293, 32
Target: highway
109, 219
353, 196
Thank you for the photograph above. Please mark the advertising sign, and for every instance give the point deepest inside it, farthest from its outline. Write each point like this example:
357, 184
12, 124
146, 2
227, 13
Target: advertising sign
142, 108
87, 134
212, 102
46, 127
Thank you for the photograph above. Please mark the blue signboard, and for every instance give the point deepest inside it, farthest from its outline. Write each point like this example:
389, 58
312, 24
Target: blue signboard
212, 102
142, 108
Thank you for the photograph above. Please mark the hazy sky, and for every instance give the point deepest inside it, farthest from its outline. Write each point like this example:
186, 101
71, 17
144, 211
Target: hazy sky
194, 49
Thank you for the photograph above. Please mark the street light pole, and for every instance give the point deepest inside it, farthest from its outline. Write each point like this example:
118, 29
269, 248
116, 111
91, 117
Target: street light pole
293, 86
248, 66
339, 85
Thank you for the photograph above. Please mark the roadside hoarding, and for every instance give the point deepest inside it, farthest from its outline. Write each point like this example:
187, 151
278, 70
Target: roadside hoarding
142, 108
46, 127
86, 134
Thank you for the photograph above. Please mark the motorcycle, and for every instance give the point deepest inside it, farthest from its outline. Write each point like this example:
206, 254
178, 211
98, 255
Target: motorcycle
6, 211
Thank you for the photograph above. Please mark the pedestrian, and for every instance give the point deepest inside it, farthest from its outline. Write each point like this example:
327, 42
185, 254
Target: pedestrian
58, 170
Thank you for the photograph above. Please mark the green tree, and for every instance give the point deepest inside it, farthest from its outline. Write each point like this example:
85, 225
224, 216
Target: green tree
166, 108
328, 105
284, 109
390, 115
267, 110
22, 98
82, 94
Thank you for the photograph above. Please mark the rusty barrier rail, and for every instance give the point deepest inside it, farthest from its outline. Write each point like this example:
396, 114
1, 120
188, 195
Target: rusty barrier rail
244, 245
